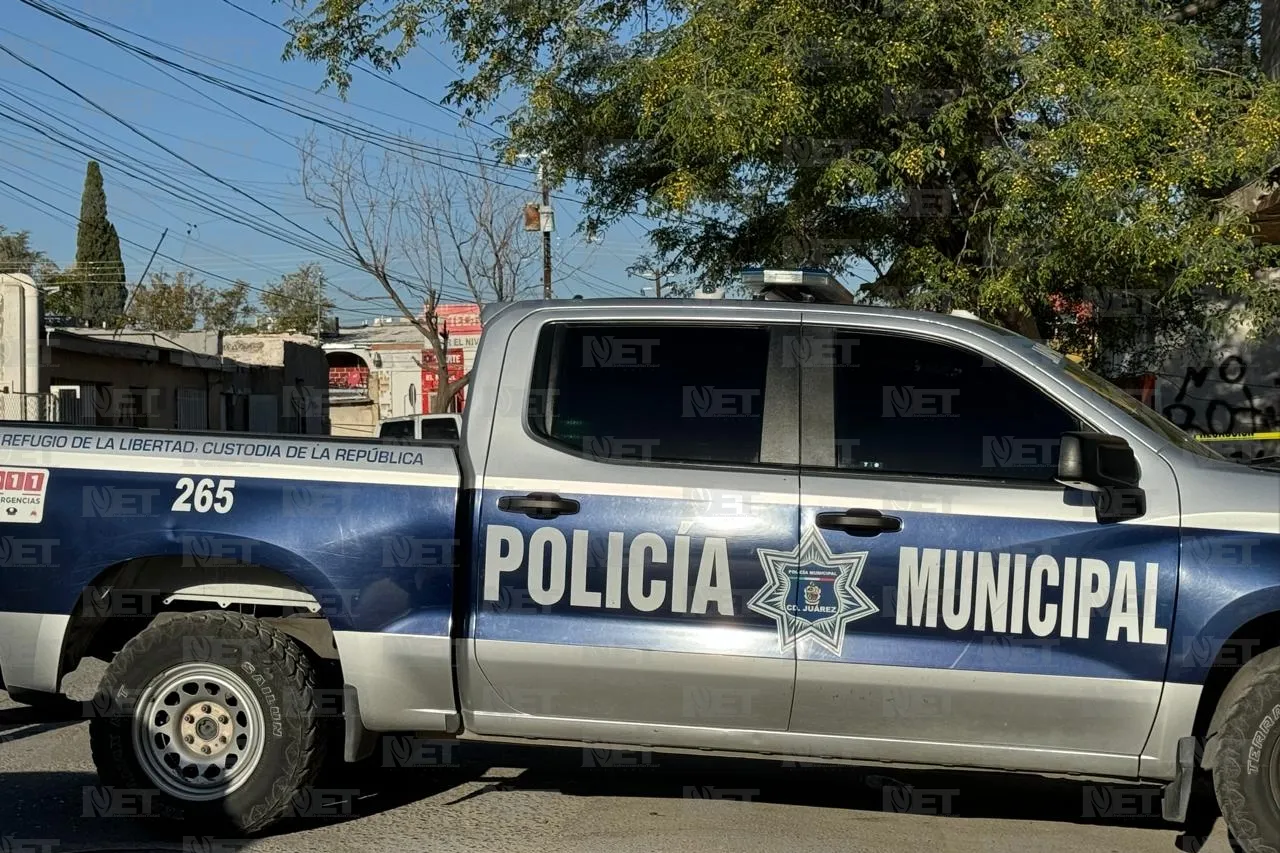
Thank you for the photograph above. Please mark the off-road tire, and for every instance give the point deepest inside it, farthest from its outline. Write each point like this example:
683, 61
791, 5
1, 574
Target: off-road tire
281, 675
1243, 781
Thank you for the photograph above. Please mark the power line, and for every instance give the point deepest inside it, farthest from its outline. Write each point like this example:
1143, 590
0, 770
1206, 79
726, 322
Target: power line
383, 140
232, 261
333, 121
200, 270
386, 78
322, 248
113, 116
380, 139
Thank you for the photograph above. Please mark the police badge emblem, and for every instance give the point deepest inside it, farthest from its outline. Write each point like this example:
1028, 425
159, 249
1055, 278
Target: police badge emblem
831, 598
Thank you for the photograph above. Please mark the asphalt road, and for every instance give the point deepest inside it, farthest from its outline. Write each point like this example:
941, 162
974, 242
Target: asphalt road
498, 798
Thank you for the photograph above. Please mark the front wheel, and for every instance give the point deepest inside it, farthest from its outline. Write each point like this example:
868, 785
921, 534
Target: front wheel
1246, 776
214, 714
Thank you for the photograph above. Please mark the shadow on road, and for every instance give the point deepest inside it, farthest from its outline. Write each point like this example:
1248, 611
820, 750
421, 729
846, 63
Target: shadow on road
23, 722
68, 807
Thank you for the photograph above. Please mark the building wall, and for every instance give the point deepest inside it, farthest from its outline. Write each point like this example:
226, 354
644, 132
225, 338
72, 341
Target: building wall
126, 392
142, 379
1233, 389
302, 404
395, 379
357, 419
201, 342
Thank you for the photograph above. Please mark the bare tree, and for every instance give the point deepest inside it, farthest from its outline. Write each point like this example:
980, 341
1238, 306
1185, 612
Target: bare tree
424, 230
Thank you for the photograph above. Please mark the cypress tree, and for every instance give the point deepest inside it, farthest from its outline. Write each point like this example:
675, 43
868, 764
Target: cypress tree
98, 260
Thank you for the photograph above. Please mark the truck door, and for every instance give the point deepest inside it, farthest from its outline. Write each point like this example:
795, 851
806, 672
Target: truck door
634, 470
988, 618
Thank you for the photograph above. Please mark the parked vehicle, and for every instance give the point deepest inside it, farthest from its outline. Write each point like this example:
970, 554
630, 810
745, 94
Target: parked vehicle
442, 427
758, 529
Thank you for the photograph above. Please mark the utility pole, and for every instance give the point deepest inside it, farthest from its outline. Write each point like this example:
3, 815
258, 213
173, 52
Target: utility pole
538, 216
546, 223
650, 272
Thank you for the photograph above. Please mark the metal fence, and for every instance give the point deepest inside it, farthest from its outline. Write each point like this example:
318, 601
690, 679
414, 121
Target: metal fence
28, 407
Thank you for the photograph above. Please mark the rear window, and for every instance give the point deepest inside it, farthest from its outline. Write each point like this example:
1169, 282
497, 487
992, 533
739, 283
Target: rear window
676, 393
397, 429
439, 429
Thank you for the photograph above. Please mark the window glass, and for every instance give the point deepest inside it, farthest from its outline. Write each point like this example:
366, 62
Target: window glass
909, 406
679, 393
396, 429
439, 429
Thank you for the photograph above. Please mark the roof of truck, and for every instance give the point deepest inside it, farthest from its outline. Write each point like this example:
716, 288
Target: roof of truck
692, 306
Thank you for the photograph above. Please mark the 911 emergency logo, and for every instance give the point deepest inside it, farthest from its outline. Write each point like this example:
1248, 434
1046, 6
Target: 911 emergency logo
827, 583
22, 493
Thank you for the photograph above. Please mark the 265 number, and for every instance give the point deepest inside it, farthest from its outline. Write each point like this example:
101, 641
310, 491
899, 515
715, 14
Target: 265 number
204, 495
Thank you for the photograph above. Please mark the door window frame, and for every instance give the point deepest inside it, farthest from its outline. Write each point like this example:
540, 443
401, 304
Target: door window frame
780, 396
817, 410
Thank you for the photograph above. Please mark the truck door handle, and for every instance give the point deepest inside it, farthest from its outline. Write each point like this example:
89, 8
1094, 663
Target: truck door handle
860, 522
538, 505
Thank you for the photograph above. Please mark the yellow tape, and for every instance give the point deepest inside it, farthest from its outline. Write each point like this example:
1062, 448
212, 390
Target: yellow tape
1241, 436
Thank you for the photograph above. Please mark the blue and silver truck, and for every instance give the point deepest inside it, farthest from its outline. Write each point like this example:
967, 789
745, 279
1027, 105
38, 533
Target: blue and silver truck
776, 529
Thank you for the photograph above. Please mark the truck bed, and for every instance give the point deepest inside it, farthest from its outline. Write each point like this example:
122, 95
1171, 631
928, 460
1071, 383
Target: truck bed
364, 526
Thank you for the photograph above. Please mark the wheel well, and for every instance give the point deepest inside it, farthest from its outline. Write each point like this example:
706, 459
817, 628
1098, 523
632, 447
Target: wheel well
127, 597
1249, 640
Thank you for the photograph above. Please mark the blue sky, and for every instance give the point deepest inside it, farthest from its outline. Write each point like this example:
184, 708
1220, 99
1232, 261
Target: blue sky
228, 141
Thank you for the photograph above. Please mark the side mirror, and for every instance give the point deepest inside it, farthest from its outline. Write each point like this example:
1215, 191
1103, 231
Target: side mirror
1106, 466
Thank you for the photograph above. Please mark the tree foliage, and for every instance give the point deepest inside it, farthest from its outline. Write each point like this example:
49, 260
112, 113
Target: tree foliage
17, 254
1006, 157
296, 302
229, 309
175, 303
99, 264
169, 303
64, 294
63, 289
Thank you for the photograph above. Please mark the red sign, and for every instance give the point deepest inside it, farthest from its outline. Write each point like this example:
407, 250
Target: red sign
30, 482
459, 319
457, 369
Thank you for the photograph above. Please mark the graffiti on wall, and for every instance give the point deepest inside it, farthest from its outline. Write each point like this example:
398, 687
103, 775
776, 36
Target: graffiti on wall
1223, 397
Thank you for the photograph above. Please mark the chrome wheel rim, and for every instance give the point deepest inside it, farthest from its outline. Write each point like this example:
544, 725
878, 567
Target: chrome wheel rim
198, 731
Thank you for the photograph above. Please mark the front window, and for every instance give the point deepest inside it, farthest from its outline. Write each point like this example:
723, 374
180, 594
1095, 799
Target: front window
1137, 410
906, 406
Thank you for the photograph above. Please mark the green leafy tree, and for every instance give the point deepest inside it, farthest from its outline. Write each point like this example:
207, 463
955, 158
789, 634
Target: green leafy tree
169, 303
98, 260
297, 301
17, 255
1055, 166
228, 309
62, 289
64, 294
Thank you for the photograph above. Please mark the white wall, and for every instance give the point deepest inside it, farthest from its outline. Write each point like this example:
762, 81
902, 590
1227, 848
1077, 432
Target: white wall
19, 334
1235, 388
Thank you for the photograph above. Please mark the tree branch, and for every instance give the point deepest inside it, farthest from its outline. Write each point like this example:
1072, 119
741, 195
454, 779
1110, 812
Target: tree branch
1191, 10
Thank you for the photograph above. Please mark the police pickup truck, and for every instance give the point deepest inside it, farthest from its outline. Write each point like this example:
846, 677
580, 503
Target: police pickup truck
802, 531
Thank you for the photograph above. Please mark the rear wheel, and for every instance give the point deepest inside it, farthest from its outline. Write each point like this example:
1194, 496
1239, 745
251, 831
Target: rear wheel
1246, 776
214, 712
